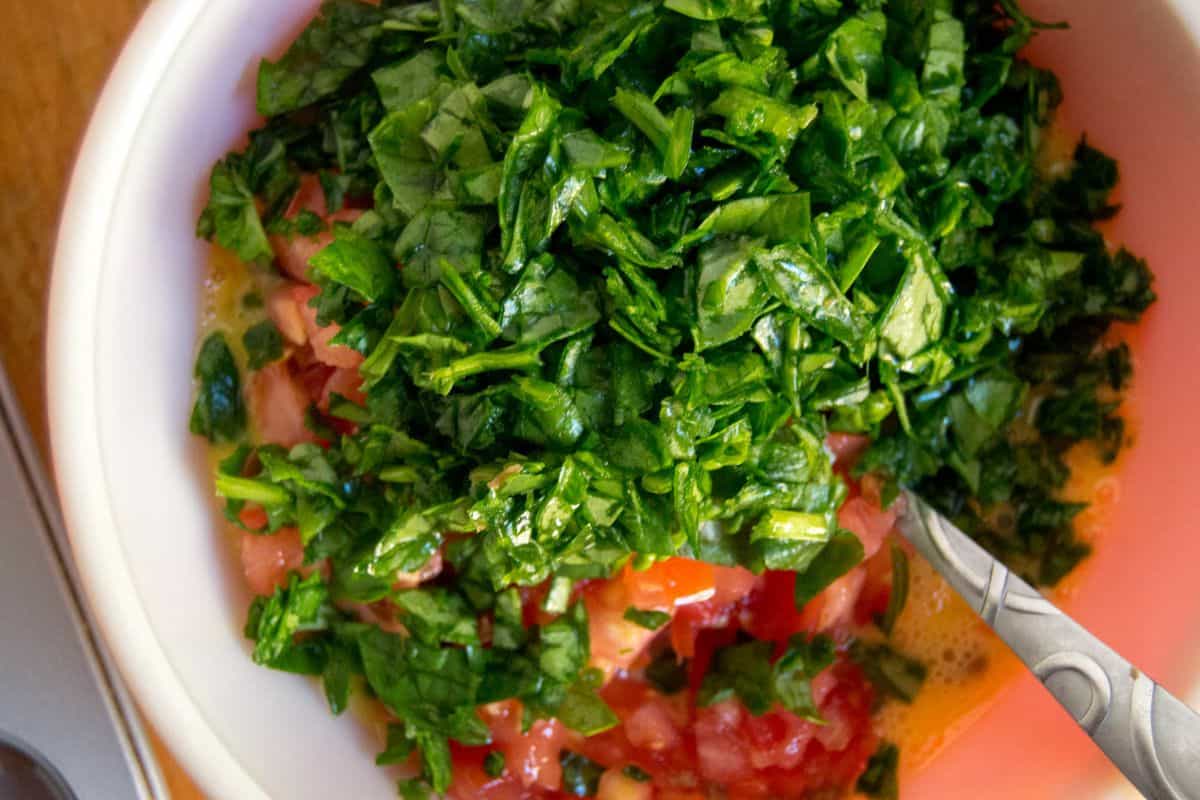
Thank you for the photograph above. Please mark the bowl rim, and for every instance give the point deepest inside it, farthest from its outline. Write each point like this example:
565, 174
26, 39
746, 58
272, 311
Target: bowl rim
84, 225
75, 452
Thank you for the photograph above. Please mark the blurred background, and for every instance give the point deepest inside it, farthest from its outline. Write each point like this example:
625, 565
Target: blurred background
58, 54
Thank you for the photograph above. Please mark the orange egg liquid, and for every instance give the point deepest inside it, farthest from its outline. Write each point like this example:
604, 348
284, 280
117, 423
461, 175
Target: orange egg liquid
968, 664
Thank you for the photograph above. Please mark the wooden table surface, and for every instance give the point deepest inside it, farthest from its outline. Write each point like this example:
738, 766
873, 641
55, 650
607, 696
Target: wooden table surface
58, 54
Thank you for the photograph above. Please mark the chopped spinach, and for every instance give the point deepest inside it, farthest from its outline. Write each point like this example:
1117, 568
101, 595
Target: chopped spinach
617, 270
747, 672
219, 414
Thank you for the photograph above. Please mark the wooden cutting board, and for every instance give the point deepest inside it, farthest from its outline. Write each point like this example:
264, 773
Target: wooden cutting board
57, 56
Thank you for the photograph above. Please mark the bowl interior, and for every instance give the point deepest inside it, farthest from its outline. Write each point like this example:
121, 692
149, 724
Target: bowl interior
124, 318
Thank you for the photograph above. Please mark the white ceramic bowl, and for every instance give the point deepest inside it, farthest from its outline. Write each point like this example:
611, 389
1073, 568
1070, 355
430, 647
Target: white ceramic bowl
123, 320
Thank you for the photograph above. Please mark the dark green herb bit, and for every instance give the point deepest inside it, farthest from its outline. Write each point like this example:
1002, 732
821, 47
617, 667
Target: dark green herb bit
649, 619
637, 773
219, 414
899, 595
580, 775
263, 344
881, 777
667, 673
892, 672
746, 672
493, 764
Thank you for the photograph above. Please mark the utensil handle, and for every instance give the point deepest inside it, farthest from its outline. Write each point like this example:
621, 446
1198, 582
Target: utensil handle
1150, 735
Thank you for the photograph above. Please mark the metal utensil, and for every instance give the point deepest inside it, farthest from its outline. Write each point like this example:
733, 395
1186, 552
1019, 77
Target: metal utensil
1150, 735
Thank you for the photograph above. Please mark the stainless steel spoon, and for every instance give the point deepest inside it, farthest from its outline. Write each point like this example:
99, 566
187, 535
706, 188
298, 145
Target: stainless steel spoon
1150, 735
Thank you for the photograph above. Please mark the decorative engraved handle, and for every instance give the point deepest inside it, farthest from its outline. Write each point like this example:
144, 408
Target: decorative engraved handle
1151, 736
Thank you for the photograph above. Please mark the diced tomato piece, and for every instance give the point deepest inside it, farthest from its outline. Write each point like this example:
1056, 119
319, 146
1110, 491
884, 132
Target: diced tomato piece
253, 517
771, 612
846, 447
877, 588
669, 583
471, 782
839, 599
616, 785
293, 252
284, 311
346, 382
721, 750
279, 406
778, 739
650, 727
846, 741
335, 355
867, 521
615, 641
309, 196
755, 787
267, 559
733, 583
531, 604
732, 586
533, 757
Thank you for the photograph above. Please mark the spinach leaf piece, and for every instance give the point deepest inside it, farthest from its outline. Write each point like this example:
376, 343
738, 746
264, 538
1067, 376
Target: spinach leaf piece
219, 414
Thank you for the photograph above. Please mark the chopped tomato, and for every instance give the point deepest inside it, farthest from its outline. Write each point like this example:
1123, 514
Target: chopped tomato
721, 750
780, 755
346, 382
616, 785
731, 586
867, 521
838, 601
285, 313
294, 251
268, 558
253, 517
877, 588
471, 781
733, 583
532, 757
650, 727
278, 406
335, 355
669, 583
778, 739
771, 612
846, 447
615, 641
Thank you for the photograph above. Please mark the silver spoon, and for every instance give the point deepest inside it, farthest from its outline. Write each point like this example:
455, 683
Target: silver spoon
1147, 733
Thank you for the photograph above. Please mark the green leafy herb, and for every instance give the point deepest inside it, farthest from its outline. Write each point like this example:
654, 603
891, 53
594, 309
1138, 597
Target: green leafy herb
493, 764
636, 773
581, 775
667, 672
219, 414
881, 778
647, 618
746, 672
837, 557
895, 673
263, 344
617, 270
899, 593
